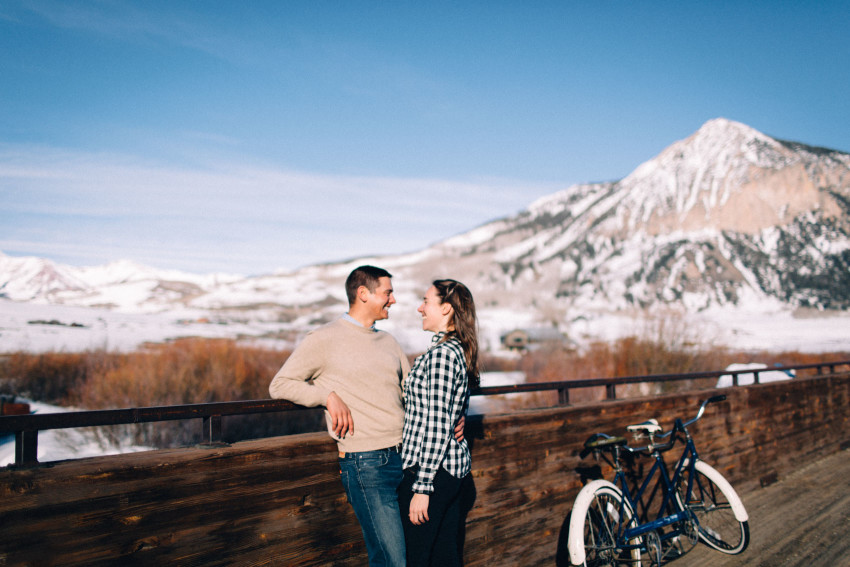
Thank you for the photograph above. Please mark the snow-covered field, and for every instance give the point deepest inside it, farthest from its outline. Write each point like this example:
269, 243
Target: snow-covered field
494, 404
40, 328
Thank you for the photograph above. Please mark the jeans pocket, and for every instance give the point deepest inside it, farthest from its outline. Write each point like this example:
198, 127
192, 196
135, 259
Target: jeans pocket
373, 460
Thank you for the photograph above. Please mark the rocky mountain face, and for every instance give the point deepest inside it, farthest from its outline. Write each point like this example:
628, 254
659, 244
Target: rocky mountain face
726, 217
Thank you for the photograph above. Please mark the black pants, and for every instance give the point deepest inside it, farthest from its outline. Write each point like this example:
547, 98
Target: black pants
438, 541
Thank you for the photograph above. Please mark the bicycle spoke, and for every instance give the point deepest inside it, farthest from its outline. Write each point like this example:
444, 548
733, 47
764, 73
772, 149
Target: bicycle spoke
601, 530
715, 520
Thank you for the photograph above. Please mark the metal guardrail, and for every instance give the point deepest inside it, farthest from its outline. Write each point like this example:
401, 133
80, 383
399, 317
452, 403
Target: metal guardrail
26, 427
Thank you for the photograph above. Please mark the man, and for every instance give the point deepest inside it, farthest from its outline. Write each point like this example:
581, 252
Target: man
356, 373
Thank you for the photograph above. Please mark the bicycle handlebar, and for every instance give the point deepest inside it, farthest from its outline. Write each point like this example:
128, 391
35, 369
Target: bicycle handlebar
711, 400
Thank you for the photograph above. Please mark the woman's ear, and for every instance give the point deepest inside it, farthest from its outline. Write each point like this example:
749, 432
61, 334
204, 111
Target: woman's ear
449, 315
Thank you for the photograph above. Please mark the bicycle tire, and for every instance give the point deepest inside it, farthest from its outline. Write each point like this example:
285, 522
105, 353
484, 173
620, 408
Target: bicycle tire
594, 521
722, 521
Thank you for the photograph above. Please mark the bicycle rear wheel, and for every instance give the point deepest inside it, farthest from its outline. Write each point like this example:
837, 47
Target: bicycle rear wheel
596, 526
721, 519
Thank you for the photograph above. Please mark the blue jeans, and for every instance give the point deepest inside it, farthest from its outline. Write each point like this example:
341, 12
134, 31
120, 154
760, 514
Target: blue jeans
371, 479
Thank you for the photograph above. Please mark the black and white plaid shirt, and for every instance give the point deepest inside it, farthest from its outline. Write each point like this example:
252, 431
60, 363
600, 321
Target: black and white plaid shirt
436, 395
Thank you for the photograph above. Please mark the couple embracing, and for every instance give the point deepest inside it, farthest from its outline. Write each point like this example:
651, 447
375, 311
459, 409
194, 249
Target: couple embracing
403, 459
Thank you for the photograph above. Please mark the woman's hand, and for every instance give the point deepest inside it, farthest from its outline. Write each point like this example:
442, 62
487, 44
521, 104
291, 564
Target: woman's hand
419, 509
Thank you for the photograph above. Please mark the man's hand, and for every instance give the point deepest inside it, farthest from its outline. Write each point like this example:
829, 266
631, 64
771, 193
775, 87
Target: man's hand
459, 428
419, 509
341, 421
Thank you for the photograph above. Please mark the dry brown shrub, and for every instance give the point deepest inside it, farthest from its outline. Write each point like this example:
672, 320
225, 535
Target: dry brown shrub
49, 377
183, 372
665, 345
491, 363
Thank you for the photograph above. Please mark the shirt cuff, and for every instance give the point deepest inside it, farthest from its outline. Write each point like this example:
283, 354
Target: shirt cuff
422, 489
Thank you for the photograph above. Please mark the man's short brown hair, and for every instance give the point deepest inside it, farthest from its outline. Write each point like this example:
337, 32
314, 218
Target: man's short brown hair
363, 276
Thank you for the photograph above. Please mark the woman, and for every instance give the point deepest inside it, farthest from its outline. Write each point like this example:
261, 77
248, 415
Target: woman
436, 397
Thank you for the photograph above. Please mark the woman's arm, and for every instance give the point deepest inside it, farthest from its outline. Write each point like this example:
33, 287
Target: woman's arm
442, 368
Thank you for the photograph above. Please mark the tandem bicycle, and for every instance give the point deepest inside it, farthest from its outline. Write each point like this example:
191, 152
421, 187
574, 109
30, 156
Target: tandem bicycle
612, 524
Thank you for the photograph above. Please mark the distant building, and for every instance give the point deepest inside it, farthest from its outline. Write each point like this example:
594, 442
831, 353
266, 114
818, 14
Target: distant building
10, 406
521, 339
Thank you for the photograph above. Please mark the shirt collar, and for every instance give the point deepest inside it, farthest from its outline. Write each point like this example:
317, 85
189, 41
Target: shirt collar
438, 337
351, 319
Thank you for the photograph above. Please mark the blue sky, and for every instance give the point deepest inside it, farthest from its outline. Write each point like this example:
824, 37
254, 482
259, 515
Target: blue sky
253, 136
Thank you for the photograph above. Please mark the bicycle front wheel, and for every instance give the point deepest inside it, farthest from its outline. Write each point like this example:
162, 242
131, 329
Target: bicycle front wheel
721, 519
596, 528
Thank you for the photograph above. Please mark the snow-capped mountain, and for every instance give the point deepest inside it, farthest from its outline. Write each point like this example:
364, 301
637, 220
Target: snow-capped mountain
726, 219
725, 215
120, 285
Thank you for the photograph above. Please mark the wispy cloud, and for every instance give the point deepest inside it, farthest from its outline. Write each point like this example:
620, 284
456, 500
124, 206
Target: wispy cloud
166, 23
117, 19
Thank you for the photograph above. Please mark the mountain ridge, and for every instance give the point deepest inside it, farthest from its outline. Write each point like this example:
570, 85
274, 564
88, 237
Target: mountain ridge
724, 218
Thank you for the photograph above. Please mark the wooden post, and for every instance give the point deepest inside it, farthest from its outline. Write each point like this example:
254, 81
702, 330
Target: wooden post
564, 396
211, 430
26, 448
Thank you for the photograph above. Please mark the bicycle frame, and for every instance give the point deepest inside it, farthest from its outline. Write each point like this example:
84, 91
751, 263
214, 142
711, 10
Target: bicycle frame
659, 475
669, 484
618, 521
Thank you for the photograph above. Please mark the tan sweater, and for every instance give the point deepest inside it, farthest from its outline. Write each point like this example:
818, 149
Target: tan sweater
364, 367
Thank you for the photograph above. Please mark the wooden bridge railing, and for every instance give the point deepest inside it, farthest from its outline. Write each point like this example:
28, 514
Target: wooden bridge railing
279, 500
26, 427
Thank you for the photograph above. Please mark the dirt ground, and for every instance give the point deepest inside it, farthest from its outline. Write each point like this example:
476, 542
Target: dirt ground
801, 521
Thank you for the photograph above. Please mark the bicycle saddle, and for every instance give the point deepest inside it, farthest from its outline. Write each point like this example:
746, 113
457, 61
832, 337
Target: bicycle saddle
650, 426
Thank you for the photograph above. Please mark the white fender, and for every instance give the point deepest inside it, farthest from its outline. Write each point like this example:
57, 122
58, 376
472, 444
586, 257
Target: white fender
575, 539
734, 500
